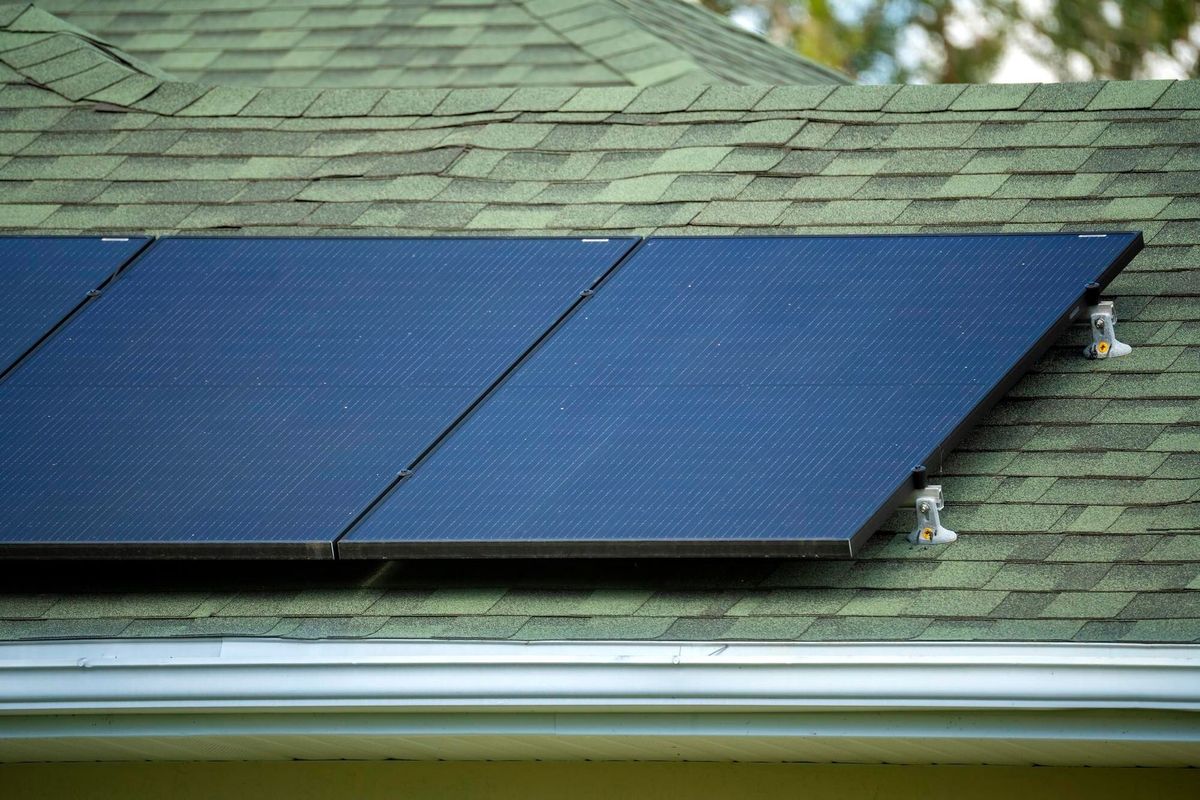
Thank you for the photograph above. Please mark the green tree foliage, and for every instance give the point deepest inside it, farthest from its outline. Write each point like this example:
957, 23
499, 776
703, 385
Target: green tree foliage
952, 41
1116, 38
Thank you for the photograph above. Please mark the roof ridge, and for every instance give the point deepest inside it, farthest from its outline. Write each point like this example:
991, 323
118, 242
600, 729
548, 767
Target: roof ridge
689, 65
489, 43
535, 9
771, 51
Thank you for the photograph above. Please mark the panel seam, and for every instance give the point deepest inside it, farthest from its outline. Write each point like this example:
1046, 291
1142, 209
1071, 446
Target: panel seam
92, 294
583, 296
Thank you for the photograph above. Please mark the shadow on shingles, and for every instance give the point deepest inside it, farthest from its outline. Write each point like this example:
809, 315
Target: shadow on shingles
72, 577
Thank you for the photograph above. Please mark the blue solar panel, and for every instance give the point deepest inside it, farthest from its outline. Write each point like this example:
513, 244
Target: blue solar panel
253, 396
752, 395
43, 279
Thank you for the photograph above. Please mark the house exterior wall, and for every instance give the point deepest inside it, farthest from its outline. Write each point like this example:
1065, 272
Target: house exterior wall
529, 781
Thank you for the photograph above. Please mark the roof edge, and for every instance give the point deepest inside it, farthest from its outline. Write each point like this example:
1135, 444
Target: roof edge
236, 699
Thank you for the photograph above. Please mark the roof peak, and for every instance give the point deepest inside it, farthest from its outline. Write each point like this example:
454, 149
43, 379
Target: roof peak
417, 44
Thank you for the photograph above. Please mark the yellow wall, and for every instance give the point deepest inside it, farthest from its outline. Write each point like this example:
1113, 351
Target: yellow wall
583, 781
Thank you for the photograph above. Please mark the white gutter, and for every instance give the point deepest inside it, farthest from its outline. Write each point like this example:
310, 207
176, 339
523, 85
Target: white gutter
215, 674
416, 691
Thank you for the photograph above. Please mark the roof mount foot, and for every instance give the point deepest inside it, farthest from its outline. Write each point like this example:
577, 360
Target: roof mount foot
1103, 322
928, 502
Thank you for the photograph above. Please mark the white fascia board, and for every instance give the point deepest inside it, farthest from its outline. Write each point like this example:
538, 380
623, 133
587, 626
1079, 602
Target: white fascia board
266, 675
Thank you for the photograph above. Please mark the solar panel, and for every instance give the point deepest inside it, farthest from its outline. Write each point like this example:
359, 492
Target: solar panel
251, 397
743, 396
44, 278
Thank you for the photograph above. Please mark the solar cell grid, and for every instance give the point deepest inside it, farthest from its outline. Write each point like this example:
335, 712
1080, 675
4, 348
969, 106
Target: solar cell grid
252, 396
752, 395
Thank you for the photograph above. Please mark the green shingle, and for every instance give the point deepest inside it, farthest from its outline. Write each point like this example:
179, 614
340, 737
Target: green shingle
823, 187
1061, 96
513, 218
1095, 465
1164, 631
1176, 548
1002, 630
815, 134
729, 98
32, 51
923, 99
992, 97
472, 101
67, 142
175, 604
740, 213
95, 79
635, 190
550, 628
82, 628
958, 212
1180, 95
425, 216
69, 64
689, 159
1128, 94
280, 102
170, 97
775, 131
909, 186
858, 98
24, 215
855, 212
126, 91
705, 188
664, 99
60, 167
1163, 605
405, 102
344, 103
1048, 577
793, 98
1148, 577
547, 98
467, 626
751, 159
247, 214
222, 101
861, 163
865, 628
639, 137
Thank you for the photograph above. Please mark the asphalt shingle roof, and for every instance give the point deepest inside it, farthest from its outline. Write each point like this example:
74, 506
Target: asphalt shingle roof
436, 43
1078, 498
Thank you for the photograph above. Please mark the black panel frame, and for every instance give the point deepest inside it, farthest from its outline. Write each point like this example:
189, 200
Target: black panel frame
169, 551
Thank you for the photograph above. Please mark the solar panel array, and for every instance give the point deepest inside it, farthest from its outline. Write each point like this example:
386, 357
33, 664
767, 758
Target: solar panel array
253, 396
401, 397
740, 395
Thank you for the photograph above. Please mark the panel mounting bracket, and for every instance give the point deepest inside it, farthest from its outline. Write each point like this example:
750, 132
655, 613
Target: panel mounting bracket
928, 502
1102, 320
